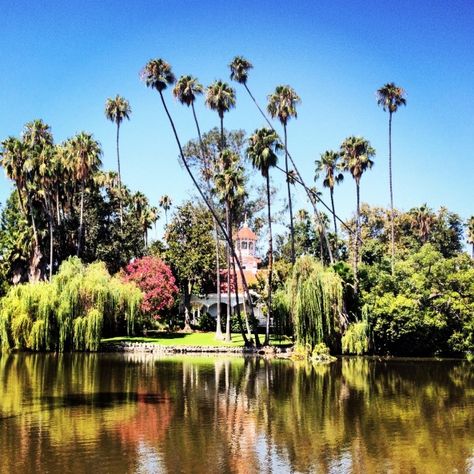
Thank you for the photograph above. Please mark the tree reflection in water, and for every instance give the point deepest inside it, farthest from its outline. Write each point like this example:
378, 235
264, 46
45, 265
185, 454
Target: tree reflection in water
139, 413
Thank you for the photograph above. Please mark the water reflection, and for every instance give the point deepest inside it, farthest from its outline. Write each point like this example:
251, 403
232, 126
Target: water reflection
139, 413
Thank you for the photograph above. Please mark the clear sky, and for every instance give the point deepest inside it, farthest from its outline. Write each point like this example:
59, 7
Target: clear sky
61, 60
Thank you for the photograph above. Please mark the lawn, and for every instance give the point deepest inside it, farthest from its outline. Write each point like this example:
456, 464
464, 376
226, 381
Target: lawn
194, 339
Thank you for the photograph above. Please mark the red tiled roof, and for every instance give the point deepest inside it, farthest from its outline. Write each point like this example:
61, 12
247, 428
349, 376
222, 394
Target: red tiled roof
246, 233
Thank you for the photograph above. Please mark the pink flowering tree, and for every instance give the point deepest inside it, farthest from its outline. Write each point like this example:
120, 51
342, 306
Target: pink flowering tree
157, 283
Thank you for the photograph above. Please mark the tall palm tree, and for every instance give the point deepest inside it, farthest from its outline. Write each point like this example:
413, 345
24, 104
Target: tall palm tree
165, 204
329, 165
220, 97
85, 152
470, 233
262, 152
157, 74
229, 185
356, 154
186, 90
116, 110
282, 104
390, 97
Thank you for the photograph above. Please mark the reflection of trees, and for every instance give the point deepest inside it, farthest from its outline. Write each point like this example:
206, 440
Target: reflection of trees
113, 412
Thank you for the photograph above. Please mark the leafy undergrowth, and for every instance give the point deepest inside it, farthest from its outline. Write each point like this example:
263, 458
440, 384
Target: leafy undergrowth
194, 339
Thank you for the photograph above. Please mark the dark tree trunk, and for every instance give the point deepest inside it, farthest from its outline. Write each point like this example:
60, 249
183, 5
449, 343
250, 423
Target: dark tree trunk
357, 237
81, 221
270, 265
229, 302
335, 222
119, 176
392, 225
290, 203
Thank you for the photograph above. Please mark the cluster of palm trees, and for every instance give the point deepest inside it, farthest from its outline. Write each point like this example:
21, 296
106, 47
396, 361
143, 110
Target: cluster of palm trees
53, 180
225, 174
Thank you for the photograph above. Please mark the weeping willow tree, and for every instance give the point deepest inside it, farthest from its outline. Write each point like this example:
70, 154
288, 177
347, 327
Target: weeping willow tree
356, 339
73, 311
313, 299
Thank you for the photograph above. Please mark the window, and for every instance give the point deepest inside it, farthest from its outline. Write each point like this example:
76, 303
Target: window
244, 245
250, 245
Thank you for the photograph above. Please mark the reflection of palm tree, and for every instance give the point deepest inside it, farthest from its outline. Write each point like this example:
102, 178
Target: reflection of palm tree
165, 204
390, 97
262, 151
356, 154
116, 110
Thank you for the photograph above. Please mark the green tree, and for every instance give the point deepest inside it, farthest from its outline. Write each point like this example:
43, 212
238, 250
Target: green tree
116, 110
190, 251
329, 165
390, 97
262, 152
356, 154
282, 104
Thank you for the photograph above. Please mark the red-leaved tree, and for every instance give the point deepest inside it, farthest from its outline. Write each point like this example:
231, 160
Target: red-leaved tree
157, 283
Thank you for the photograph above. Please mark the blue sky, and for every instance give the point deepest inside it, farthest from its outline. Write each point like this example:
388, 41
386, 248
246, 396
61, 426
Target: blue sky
61, 60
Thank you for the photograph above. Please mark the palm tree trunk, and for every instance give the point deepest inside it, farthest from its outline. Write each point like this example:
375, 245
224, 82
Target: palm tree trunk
58, 216
222, 132
334, 220
236, 289
357, 237
119, 176
311, 196
218, 284
51, 246
229, 302
249, 332
392, 226
209, 206
270, 265
81, 220
290, 204
216, 233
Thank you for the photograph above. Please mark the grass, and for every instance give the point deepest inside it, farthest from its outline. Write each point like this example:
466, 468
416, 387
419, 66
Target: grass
204, 339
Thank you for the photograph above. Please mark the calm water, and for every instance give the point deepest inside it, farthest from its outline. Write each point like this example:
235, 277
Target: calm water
135, 413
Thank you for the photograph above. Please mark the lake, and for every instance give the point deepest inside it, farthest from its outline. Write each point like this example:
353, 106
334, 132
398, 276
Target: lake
138, 413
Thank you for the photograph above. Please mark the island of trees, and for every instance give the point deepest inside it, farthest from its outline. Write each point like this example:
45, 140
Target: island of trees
76, 263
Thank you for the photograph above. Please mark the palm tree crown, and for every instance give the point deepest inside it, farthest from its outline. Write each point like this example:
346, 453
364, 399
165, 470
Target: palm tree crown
356, 154
186, 89
328, 164
117, 109
220, 97
262, 150
390, 97
86, 152
239, 69
282, 103
157, 74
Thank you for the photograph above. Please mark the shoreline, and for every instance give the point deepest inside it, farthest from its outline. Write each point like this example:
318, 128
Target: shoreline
149, 347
